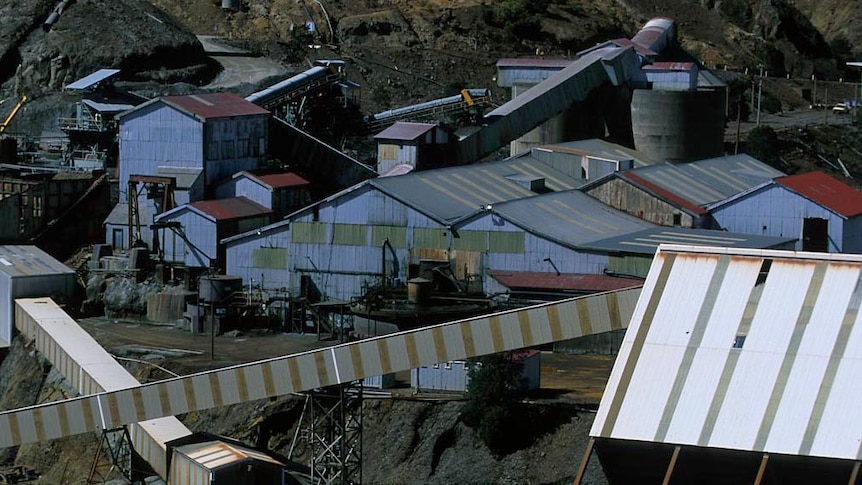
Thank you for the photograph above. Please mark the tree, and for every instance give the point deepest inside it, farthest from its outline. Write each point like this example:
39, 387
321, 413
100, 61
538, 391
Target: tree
763, 145
492, 399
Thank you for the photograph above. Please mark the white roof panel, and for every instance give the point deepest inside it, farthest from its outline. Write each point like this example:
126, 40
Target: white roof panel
752, 350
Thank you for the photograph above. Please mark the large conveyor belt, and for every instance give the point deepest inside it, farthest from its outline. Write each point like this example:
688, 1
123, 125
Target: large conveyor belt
609, 66
500, 332
89, 369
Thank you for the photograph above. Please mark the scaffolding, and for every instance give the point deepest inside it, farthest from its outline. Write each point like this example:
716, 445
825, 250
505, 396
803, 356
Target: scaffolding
335, 434
113, 457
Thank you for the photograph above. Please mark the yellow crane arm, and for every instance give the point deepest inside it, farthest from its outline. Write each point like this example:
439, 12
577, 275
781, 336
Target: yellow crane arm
13, 113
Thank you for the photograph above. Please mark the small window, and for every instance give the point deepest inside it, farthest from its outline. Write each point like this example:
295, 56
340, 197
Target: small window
739, 341
447, 366
677, 219
436, 366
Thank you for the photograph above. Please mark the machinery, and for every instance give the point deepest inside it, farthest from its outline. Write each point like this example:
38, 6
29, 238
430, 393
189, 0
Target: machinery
13, 113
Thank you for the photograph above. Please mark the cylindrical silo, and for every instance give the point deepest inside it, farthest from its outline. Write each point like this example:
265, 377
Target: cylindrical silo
678, 126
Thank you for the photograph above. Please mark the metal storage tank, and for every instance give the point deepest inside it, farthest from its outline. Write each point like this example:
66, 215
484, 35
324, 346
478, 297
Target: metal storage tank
678, 126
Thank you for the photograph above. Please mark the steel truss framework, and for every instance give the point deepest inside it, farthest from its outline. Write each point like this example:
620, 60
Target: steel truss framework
336, 434
113, 457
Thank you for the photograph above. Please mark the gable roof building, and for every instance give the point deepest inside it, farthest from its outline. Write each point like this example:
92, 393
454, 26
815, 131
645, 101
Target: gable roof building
678, 194
821, 212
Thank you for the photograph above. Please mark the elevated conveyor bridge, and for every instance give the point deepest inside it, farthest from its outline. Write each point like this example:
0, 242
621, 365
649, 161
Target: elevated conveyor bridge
500, 332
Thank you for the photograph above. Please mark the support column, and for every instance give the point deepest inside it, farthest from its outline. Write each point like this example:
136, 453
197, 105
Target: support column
671, 466
854, 474
581, 469
762, 470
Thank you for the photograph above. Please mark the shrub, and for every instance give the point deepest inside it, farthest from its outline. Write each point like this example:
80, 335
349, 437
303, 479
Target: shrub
492, 398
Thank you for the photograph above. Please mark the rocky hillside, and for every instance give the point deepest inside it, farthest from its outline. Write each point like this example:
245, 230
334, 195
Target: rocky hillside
403, 51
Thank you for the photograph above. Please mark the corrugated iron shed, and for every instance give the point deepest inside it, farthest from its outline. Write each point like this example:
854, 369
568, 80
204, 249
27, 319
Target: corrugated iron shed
216, 454
448, 194
705, 181
826, 191
226, 209
749, 350
571, 218
405, 131
91, 80
17, 261
647, 241
562, 282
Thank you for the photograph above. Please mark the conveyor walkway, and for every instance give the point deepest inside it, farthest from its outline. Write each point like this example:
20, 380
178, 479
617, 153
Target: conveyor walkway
348, 362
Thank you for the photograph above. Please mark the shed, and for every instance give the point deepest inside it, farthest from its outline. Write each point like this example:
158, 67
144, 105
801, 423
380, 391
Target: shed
219, 462
27, 271
819, 211
190, 233
421, 145
671, 194
282, 192
738, 366
455, 375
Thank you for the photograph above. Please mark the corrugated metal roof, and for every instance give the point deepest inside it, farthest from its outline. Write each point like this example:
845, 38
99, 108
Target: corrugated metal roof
22, 261
92, 79
707, 79
602, 149
535, 62
185, 176
563, 282
405, 131
227, 209
647, 241
448, 194
571, 218
670, 66
654, 34
746, 350
107, 107
204, 106
826, 191
213, 455
704, 181
281, 180
119, 215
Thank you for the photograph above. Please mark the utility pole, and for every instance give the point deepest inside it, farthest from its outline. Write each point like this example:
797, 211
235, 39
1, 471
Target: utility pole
759, 93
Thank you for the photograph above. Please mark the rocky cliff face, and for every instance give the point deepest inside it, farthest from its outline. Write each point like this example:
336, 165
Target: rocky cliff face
131, 35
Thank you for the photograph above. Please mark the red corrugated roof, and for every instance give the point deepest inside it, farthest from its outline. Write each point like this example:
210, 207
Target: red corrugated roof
282, 180
215, 105
565, 281
660, 192
826, 191
232, 208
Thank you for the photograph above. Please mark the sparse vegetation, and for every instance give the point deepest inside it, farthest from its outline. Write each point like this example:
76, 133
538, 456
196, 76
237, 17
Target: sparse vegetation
763, 145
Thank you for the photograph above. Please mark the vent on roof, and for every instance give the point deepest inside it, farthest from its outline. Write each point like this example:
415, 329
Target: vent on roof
529, 182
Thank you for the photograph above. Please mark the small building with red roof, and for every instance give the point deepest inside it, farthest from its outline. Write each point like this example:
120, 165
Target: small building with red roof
282, 192
822, 212
191, 233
